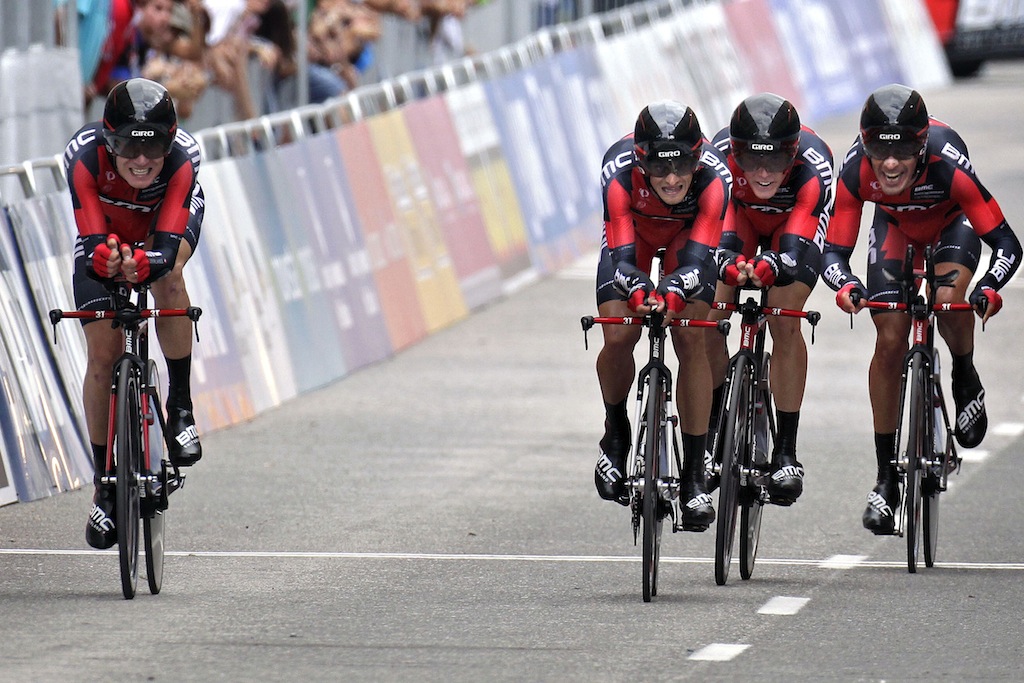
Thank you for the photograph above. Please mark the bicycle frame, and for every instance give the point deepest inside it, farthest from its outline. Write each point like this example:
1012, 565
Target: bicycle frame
919, 458
142, 482
653, 476
744, 431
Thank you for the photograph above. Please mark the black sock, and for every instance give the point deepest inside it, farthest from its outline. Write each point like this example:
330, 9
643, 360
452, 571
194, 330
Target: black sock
179, 390
963, 364
885, 452
99, 462
787, 427
693, 455
616, 414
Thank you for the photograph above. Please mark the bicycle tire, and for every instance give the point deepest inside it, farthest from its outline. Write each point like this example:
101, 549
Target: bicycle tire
753, 503
128, 463
154, 520
651, 520
933, 484
732, 443
918, 446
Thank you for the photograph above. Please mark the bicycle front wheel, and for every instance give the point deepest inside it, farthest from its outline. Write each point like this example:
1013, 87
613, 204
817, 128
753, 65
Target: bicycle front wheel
752, 502
919, 445
155, 509
732, 443
128, 456
652, 472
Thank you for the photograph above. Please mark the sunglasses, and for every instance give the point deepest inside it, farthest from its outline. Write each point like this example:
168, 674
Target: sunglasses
773, 162
664, 166
902, 150
132, 148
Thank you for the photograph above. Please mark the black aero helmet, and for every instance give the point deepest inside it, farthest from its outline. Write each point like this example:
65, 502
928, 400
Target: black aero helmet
139, 119
667, 139
765, 132
894, 122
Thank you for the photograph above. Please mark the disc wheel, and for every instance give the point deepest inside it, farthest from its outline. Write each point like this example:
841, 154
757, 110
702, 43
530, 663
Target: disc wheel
752, 503
732, 443
918, 446
128, 456
651, 520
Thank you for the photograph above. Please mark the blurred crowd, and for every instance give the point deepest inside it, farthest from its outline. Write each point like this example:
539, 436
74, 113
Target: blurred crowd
192, 45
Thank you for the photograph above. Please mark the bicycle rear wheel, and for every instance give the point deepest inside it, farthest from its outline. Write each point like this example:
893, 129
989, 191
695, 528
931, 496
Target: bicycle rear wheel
752, 502
154, 519
650, 504
919, 444
732, 442
128, 457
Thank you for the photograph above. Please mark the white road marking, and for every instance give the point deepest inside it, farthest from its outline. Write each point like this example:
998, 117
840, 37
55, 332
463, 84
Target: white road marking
1008, 429
783, 605
973, 454
843, 562
718, 652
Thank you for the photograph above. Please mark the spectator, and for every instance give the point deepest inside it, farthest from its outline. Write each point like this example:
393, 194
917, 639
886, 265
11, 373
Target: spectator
341, 37
230, 44
175, 57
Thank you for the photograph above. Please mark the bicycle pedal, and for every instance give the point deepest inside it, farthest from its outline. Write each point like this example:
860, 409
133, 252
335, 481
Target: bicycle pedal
690, 527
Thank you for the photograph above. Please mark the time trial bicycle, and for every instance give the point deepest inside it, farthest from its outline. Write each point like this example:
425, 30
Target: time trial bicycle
655, 460
745, 434
143, 479
925, 448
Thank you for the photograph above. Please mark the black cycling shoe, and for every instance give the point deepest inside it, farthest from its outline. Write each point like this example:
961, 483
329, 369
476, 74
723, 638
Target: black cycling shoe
183, 444
787, 480
971, 418
610, 471
99, 530
879, 516
696, 506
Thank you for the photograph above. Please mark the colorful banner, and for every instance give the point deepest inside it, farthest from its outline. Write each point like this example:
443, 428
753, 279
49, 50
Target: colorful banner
395, 284
436, 286
480, 143
447, 179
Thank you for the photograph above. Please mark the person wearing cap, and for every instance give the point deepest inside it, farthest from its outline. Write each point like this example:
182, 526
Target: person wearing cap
917, 172
782, 174
664, 187
138, 208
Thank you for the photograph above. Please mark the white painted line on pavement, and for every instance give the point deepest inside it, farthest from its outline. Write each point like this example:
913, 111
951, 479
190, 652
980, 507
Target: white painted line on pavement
783, 605
718, 652
972, 455
843, 561
1008, 429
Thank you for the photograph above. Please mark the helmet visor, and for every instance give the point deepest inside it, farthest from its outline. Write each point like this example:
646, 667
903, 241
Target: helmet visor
664, 160
133, 145
882, 144
774, 157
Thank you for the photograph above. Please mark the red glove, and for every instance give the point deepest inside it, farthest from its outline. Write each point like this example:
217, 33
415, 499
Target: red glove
731, 271
141, 264
765, 271
851, 289
674, 302
986, 301
101, 258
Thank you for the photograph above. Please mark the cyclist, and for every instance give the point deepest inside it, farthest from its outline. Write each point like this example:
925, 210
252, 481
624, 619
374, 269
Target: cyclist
917, 172
132, 179
781, 192
664, 186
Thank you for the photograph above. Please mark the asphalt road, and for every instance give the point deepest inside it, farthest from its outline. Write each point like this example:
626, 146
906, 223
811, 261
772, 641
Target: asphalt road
433, 518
